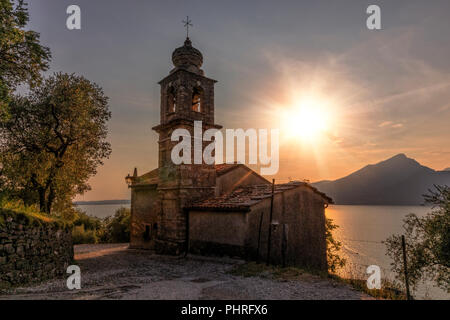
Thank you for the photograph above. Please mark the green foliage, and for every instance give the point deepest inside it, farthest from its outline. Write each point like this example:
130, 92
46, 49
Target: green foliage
88, 222
118, 226
22, 58
115, 229
26, 215
82, 236
388, 290
333, 247
52, 141
427, 243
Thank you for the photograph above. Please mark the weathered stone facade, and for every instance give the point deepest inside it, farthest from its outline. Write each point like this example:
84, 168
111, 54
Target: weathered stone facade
217, 208
158, 217
32, 249
237, 224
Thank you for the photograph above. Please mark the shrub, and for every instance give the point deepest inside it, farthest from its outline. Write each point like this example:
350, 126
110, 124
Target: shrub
427, 243
88, 229
81, 236
89, 222
333, 247
29, 214
117, 228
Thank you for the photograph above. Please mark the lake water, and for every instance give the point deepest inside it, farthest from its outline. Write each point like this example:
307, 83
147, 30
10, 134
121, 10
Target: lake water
101, 210
361, 230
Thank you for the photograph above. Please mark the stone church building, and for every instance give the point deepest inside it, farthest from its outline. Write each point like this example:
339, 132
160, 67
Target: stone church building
221, 209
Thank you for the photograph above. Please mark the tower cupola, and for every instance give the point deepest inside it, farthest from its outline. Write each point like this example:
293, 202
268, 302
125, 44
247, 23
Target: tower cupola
188, 58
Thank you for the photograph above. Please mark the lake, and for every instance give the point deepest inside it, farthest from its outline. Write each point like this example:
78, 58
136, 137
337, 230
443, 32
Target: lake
101, 210
361, 230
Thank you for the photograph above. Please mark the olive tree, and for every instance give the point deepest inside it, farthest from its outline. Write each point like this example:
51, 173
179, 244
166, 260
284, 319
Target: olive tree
22, 57
428, 243
53, 140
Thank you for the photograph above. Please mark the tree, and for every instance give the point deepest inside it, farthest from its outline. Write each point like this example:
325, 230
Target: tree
118, 226
22, 58
333, 247
52, 141
428, 243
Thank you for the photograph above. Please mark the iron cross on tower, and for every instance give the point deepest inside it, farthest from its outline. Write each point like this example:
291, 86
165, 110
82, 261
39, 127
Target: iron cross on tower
187, 24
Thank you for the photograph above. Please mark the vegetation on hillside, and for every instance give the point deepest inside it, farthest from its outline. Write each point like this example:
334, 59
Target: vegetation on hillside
53, 138
427, 243
26, 215
85, 228
253, 269
114, 229
334, 260
22, 57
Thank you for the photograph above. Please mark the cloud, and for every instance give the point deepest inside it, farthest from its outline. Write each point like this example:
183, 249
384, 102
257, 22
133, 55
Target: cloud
390, 124
385, 123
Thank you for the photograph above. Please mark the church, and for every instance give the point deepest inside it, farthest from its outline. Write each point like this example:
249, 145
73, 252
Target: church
219, 209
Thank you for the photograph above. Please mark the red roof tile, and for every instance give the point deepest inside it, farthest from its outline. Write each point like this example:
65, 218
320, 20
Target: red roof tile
242, 198
225, 167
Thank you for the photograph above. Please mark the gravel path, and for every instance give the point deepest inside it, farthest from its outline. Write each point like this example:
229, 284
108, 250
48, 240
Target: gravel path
116, 272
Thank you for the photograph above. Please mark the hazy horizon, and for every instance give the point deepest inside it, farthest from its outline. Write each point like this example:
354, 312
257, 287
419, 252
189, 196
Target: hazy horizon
382, 92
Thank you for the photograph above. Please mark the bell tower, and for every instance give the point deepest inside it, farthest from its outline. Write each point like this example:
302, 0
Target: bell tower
187, 95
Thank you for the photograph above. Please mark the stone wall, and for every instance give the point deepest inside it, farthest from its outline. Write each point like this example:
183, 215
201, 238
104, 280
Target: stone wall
226, 183
297, 238
298, 233
145, 217
32, 249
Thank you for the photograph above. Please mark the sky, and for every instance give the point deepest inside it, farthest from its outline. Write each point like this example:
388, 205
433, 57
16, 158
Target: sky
374, 93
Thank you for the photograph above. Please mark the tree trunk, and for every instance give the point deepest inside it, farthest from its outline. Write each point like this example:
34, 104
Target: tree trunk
50, 199
42, 202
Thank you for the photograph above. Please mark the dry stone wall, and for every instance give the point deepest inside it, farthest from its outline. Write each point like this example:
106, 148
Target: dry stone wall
32, 249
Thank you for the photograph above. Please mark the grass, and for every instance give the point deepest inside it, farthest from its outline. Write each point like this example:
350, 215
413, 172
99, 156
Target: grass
252, 269
388, 291
26, 215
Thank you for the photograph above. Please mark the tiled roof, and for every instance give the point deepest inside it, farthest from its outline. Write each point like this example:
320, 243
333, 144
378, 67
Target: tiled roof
151, 177
242, 198
224, 168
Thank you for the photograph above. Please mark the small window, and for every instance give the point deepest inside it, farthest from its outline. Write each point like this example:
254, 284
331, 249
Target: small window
197, 96
171, 100
147, 233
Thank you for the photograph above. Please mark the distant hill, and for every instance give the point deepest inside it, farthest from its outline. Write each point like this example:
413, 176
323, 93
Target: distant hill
100, 202
395, 181
446, 169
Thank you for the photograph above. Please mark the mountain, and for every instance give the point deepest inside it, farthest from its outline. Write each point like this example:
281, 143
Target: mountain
101, 202
395, 181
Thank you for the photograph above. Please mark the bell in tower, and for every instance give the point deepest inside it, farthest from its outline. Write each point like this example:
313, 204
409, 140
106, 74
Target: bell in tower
186, 94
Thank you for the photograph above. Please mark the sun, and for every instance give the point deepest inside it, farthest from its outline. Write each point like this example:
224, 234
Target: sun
306, 120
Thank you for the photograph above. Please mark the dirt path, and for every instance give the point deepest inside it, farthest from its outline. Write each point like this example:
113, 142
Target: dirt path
115, 272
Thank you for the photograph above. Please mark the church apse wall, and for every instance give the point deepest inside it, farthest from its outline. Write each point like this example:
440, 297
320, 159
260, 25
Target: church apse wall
298, 228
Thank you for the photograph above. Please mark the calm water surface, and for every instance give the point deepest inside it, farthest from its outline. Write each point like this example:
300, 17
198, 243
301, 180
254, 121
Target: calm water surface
101, 210
361, 230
